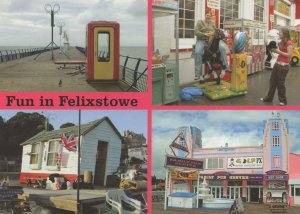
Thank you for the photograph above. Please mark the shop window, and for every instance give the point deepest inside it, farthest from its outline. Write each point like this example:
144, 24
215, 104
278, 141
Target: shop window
275, 126
229, 9
259, 10
52, 153
103, 47
186, 19
276, 161
34, 155
275, 140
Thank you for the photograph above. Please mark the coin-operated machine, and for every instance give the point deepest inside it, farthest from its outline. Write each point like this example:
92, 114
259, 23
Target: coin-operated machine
103, 50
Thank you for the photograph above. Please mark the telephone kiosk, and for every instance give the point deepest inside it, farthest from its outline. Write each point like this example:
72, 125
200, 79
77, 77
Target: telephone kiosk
103, 50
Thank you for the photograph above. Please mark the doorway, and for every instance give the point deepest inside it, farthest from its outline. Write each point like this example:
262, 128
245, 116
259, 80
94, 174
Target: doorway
254, 194
101, 156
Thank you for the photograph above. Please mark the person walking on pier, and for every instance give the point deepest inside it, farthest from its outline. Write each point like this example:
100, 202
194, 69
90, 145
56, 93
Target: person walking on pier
280, 69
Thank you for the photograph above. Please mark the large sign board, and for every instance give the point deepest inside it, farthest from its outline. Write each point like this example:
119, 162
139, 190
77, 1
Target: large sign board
235, 177
276, 177
186, 163
245, 163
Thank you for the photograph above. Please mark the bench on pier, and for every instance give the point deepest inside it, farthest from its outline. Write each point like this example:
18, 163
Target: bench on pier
63, 64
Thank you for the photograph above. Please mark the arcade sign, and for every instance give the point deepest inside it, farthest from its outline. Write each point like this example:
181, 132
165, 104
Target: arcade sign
245, 163
186, 163
234, 177
214, 4
184, 175
276, 175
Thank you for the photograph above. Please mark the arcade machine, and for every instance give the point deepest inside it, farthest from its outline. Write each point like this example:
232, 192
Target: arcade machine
255, 49
239, 76
165, 68
295, 36
103, 50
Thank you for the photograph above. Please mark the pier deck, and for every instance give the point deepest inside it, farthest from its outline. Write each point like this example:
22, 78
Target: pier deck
42, 75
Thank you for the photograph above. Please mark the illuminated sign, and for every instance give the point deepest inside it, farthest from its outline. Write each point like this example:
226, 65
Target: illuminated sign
187, 163
283, 8
276, 177
245, 163
179, 147
276, 172
214, 4
169, 4
180, 175
232, 177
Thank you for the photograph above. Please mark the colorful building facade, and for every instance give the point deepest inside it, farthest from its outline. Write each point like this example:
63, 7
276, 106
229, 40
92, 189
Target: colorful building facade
255, 173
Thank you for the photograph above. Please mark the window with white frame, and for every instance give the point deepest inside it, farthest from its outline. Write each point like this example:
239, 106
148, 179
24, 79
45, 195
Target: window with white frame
259, 10
229, 9
214, 163
35, 152
275, 126
186, 19
52, 153
275, 140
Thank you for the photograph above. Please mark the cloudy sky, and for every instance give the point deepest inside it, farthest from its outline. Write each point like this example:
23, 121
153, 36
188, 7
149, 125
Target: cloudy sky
123, 120
25, 22
238, 128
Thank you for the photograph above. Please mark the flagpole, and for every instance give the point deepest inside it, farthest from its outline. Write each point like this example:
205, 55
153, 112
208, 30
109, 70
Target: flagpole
78, 164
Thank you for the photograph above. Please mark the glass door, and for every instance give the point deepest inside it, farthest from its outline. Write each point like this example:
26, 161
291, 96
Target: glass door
234, 192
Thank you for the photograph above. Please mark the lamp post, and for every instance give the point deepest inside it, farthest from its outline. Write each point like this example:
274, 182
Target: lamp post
52, 9
60, 24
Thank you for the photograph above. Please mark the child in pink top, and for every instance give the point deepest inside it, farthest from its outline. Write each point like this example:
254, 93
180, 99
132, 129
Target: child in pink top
280, 69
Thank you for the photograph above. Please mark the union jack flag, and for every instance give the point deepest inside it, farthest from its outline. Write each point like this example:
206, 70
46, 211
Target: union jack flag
69, 141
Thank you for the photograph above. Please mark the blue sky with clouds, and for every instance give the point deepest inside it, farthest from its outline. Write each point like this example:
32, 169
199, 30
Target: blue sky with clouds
25, 22
123, 119
238, 128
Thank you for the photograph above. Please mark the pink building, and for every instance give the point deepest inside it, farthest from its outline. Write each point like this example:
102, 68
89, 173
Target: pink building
255, 173
294, 179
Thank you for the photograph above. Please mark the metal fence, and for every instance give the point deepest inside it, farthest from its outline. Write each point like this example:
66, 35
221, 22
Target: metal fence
134, 71
8, 55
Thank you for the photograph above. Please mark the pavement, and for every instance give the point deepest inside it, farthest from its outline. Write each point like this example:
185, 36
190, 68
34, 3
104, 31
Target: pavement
157, 208
42, 75
258, 84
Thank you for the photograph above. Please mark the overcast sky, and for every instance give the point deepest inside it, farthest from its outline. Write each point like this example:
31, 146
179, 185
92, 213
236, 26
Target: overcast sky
123, 120
238, 128
25, 22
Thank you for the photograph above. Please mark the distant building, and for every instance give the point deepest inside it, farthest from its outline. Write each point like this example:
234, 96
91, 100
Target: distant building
139, 152
55, 151
134, 146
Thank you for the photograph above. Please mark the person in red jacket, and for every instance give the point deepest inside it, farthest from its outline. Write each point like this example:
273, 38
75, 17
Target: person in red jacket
280, 69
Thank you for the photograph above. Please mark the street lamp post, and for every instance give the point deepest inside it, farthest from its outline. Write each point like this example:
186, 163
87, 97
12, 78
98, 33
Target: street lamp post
60, 24
51, 9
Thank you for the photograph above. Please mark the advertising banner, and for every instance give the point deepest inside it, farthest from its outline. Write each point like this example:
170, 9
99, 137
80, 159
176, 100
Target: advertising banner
187, 163
245, 163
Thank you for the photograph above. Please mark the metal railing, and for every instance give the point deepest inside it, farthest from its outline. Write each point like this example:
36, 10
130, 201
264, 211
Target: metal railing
8, 55
134, 71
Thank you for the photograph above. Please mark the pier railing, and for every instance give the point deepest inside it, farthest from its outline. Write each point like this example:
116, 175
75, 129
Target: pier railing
8, 55
134, 71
